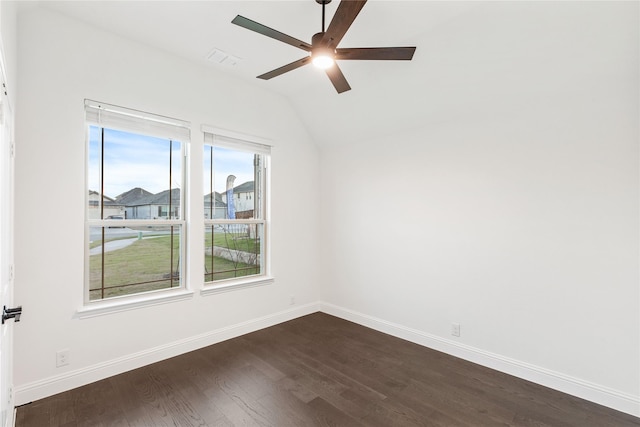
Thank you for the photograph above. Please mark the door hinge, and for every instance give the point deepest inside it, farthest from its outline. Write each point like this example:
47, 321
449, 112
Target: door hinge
11, 272
12, 150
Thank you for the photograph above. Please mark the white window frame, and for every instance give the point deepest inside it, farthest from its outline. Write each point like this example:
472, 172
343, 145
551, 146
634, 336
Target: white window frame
119, 118
218, 137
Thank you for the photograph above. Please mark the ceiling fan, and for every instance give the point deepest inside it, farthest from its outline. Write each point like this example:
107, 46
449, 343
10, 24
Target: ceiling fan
324, 48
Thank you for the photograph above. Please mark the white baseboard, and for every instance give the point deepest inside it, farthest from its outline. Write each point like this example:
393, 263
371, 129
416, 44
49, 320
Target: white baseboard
56, 384
614, 399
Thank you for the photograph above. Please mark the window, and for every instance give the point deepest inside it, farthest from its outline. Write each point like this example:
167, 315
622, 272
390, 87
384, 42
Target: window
135, 202
236, 228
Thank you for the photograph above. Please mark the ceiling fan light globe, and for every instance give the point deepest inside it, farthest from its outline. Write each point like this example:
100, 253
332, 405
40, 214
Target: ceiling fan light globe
323, 62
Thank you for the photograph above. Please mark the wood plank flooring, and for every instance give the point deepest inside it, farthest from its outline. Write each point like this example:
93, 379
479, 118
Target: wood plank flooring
317, 370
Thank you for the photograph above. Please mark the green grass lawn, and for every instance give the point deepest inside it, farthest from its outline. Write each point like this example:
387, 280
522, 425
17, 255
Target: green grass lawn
146, 261
235, 241
146, 265
217, 268
225, 269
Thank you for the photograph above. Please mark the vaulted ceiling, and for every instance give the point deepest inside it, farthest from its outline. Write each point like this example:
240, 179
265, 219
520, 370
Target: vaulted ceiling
472, 59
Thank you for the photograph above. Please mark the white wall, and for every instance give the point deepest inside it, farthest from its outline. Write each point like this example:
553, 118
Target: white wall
517, 219
61, 63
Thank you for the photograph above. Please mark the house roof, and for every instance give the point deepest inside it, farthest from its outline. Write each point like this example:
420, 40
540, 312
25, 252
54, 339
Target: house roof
161, 198
217, 199
139, 197
106, 200
133, 195
247, 187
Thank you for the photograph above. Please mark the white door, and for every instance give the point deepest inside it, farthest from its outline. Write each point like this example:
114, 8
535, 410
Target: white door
6, 253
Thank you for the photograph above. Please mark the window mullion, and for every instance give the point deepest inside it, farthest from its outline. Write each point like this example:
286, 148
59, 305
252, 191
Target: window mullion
102, 241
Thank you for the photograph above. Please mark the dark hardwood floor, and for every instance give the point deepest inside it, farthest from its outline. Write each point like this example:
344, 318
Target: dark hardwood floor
317, 370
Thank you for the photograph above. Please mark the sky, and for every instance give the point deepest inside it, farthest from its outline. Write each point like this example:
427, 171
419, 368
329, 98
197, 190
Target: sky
133, 160
226, 162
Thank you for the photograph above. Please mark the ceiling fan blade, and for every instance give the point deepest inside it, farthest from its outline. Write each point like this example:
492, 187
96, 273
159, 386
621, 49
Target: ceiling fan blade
342, 20
270, 32
376, 53
337, 78
278, 71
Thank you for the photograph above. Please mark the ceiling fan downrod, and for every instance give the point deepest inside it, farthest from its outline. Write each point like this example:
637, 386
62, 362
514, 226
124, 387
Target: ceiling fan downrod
323, 3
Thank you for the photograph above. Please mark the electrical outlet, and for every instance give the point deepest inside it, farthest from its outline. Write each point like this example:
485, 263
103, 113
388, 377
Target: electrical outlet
292, 300
62, 358
455, 329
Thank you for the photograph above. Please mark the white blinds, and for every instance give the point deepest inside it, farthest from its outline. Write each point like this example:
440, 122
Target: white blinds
114, 117
234, 140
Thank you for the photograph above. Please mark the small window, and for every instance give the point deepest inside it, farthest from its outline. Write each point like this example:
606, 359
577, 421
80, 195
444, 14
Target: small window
235, 227
135, 167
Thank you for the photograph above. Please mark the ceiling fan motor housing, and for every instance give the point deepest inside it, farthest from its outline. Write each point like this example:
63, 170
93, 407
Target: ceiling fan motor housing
319, 48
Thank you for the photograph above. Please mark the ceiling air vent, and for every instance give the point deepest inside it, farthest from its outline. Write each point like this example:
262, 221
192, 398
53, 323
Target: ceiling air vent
220, 57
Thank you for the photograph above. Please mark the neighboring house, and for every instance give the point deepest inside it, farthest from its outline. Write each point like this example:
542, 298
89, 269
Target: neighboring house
111, 206
139, 203
153, 206
129, 200
243, 196
132, 195
219, 207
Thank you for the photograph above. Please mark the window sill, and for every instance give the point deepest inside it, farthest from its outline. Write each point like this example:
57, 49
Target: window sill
118, 305
232, 285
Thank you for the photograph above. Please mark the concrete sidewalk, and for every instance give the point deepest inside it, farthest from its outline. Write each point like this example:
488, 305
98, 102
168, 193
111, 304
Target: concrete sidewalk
113, 245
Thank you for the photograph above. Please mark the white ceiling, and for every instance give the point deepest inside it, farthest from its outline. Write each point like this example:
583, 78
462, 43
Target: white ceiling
471, 56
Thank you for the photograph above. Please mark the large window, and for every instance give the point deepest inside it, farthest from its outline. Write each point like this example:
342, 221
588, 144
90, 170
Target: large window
135, 202
235, 203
